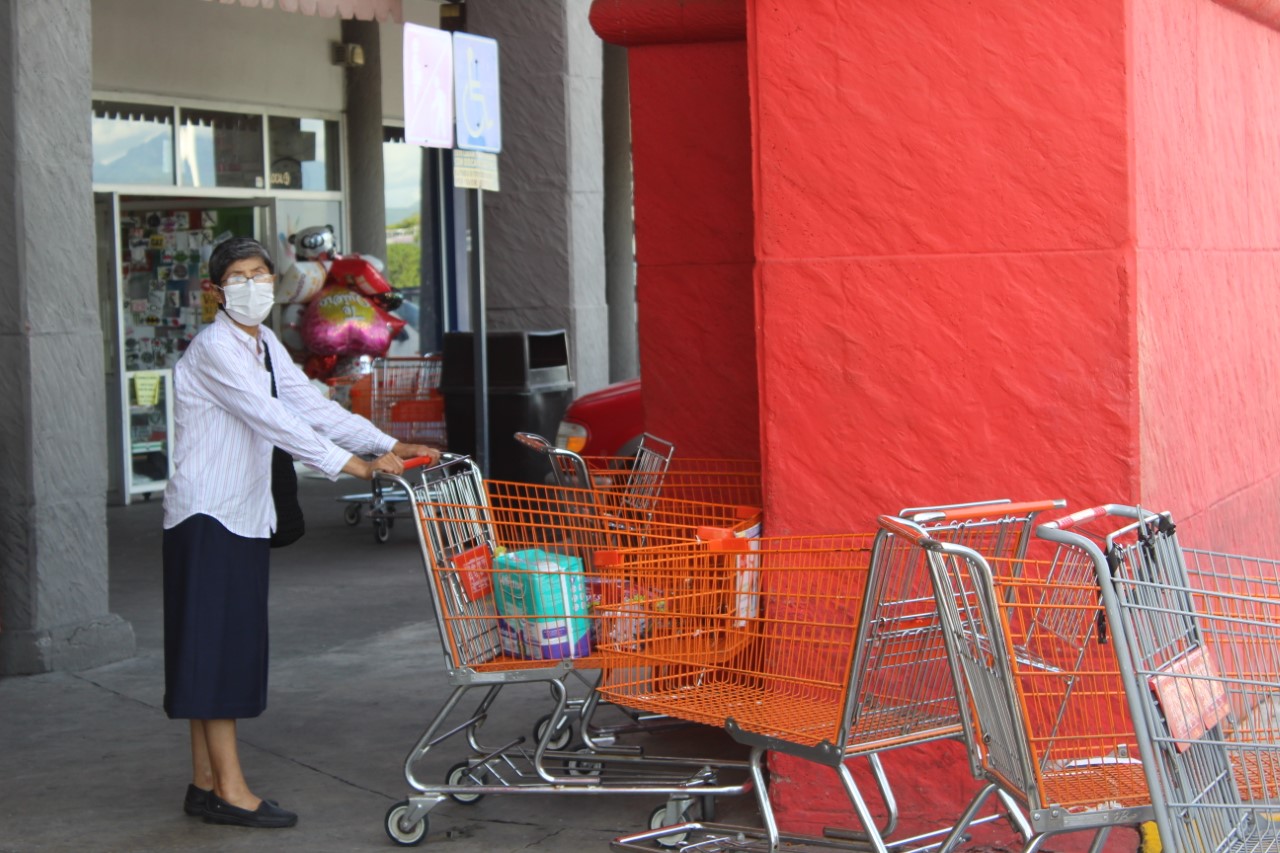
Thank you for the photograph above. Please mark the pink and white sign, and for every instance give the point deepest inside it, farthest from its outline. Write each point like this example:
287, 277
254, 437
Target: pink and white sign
428, 87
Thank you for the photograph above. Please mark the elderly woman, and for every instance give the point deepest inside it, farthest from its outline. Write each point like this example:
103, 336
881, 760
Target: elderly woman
238, 395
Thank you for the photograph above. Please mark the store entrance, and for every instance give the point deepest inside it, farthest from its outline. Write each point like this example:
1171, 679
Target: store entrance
153, 254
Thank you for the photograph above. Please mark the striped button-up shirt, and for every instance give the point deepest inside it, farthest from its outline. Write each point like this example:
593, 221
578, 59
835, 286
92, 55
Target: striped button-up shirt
226, 423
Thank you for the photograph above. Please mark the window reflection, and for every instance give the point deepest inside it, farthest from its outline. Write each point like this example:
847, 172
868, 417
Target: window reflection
218, 149
304, 154
132, 143
402, 176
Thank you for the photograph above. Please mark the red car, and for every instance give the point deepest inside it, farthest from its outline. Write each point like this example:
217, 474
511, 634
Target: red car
608, 422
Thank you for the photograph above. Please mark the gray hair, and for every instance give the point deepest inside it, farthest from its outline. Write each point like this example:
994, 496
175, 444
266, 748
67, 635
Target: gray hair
235, 249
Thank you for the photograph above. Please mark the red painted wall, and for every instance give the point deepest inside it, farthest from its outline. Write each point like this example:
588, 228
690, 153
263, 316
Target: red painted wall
1000, 248
946, 305
691, 152
691, 149
1206, 83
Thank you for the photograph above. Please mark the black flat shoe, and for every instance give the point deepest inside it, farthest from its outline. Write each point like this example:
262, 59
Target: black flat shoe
266, 816
196, 801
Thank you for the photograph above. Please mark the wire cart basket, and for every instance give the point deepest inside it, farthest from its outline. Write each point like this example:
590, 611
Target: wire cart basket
822, 647
1199, 633
404, 402
724, 481
513, 575
1051, 728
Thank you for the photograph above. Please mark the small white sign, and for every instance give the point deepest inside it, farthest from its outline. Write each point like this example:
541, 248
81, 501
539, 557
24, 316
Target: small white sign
428, 87
475, 170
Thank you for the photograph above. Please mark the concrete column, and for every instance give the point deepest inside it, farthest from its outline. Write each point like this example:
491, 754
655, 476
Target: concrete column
53, 530
545, 264
367, 192
619, 221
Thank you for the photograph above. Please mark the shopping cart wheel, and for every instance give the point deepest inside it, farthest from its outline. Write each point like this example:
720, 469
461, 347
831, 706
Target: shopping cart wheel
381, 530
406, 837
658, 819
351, 515
582, 767
563, 734
463, 774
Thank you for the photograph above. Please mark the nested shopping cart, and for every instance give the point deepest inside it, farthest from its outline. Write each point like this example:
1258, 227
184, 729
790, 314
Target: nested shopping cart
823, 647
512, 576
404, 402
598, 527
655, 468
1200, 648
1050, 728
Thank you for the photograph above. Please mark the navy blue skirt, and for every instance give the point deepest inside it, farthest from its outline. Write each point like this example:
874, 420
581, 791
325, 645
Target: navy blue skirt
215, 621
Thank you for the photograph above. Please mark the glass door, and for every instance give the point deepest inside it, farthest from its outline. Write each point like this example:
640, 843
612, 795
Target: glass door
153, 261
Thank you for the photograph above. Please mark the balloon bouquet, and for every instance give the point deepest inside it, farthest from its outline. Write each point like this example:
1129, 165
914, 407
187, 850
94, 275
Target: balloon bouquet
338, 313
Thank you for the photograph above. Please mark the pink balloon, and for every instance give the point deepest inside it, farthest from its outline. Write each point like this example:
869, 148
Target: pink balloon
342, 322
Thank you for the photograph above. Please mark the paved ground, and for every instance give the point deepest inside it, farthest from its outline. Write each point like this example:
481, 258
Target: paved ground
88, 761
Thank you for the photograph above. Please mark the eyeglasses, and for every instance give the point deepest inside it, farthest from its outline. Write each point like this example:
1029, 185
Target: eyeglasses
260, 278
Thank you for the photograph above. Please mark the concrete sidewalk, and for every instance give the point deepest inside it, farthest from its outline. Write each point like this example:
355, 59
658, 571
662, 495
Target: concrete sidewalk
89, 762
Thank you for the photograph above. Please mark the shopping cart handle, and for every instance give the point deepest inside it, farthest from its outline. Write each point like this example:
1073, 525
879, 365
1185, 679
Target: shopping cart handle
908, 530
1003, 510
1069, 521
419, 461
1116, 510
534, 441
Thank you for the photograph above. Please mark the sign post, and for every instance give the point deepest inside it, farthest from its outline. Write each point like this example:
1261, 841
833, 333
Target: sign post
477, 105
451, 94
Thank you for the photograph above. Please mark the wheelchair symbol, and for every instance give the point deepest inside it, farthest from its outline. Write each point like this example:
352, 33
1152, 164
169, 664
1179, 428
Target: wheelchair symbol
475, 108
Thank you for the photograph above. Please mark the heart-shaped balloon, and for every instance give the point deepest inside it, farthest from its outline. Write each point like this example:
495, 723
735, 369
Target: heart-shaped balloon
342, 322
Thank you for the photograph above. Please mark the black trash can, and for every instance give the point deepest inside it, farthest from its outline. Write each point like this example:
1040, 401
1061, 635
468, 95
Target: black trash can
529, 390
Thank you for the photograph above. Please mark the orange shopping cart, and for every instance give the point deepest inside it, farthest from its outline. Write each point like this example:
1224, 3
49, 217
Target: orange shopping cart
654, 469
1197, 631
823, 647
597, 528
513, 573
403, 399
1051, 728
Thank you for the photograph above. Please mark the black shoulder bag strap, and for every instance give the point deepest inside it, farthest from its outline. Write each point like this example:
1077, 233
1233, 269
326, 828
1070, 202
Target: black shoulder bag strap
290, 525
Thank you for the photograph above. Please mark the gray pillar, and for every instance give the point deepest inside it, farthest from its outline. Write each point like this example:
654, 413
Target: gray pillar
367, 193
545, 229
619, 219
53, 472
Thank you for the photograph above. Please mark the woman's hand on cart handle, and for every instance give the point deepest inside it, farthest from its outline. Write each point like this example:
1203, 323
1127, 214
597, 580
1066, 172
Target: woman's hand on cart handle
415, 451
425, 460
387, 463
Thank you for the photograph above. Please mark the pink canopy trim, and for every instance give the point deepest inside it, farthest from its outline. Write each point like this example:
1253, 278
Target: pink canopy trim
364, 10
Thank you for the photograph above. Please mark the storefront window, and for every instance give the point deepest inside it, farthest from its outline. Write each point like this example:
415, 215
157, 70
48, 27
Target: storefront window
132, 143
217, 149
304, 154
402, 181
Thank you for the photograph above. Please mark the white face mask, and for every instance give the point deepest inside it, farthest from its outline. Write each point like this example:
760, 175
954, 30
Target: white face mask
249, 303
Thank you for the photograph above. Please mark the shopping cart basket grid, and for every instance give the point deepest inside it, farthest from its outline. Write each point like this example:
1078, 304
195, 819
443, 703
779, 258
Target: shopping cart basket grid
1050, 727
508, 570
1201, 631
867, 657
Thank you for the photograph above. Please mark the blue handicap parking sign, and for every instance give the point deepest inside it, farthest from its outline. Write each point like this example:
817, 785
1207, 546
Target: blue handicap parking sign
477, 104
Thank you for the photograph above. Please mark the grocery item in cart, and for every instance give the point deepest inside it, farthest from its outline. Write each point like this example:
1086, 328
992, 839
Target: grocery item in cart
542, 602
